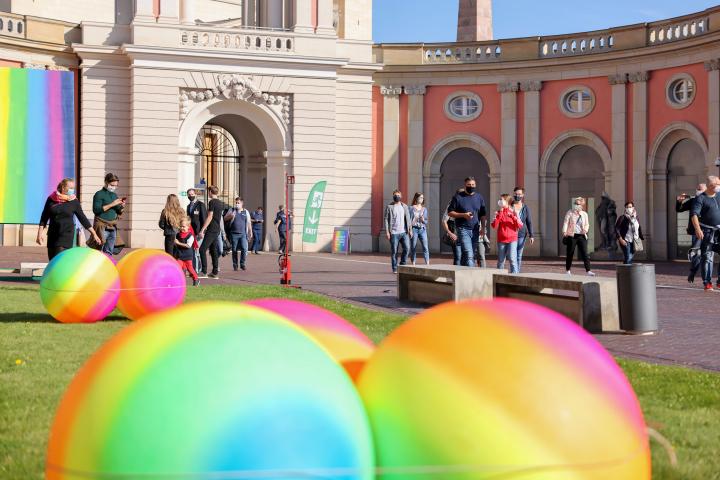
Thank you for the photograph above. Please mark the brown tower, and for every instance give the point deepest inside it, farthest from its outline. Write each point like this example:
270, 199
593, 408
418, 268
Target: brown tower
474, 21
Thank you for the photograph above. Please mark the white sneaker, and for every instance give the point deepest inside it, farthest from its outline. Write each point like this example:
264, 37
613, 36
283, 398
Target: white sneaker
591, 274
569, 273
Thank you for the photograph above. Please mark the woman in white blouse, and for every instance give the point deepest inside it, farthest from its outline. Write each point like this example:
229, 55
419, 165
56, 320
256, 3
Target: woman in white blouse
575, 233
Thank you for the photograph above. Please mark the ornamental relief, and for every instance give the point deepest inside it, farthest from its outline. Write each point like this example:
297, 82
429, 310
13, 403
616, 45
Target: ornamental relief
238, 87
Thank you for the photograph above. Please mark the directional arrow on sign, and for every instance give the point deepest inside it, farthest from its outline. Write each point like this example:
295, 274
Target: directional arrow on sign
313, 218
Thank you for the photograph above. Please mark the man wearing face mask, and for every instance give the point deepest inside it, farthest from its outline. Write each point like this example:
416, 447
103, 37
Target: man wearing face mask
198, 213
705, 217
684, 203
107, 207
398, 228
239, 228
526, 231
468, 209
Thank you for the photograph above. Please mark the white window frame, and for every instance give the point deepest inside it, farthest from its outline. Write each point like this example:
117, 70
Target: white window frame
670, 91
575, 89
458, 118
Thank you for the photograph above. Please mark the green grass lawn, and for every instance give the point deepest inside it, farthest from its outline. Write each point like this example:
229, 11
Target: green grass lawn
38, 358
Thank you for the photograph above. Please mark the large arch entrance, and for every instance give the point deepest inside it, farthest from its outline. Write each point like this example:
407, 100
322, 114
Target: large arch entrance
686, 168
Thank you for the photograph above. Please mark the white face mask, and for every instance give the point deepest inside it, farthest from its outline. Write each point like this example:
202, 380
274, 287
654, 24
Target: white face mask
717, 189
630, 211
111, 188
577, 208
502, 203
699, 192
239, 206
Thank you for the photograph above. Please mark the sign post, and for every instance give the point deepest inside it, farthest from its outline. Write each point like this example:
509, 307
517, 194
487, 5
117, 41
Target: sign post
313, 209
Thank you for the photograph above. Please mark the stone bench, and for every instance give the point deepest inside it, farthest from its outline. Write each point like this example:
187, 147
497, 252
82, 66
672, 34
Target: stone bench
32, 269
434, 284
590, 301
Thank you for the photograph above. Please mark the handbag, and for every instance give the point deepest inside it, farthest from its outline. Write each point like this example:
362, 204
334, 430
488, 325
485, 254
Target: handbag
638, 245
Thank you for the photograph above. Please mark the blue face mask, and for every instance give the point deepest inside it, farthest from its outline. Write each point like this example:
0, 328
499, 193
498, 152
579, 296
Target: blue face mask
71, 191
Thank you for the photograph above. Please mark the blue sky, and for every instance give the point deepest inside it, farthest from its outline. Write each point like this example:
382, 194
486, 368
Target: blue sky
436, 20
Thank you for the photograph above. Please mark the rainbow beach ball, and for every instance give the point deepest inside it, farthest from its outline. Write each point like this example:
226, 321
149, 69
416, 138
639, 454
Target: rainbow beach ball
211, 390
80, 285
151, 281
343, 340
501, 389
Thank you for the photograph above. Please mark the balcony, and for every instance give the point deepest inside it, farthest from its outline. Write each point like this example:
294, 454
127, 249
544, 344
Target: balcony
257, 40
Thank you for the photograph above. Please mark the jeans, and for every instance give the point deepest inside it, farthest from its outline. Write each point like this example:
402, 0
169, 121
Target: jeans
109, 241
520, 247
466, 239
580, 242
628, 251
479, 249
257, 240
220, 244
457, 252
395, 239
509, 251
239, 241
421, 235
694, 256
283, 240
707, 255
197, 264
210, 243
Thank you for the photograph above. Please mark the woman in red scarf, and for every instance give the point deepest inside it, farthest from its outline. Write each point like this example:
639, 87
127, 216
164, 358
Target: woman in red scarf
60, 207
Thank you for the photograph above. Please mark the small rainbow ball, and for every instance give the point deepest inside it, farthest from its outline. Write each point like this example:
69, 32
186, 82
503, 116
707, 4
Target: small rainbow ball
502, 389
80, 285
348, 345
211, 390
151, 281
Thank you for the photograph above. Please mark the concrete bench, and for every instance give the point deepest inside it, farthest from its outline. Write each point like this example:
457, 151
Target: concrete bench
433, 284
32, 269
590, 301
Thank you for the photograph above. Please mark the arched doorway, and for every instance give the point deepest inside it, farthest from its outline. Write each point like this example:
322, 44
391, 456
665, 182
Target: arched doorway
686, 168
457, 166
581, 175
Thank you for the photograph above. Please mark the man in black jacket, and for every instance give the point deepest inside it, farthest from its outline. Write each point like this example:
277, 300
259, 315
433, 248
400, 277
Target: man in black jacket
684, 203
198, 213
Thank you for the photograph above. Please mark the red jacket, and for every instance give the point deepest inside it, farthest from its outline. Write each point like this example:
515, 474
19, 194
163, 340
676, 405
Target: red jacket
507, 224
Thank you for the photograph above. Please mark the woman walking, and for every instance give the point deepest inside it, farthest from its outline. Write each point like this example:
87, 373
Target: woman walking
508, 224
419, 219
170, 220
629, 233
61, 207
575, 230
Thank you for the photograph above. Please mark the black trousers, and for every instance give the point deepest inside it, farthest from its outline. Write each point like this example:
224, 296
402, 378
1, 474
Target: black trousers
580, 242
283, 240
54, 251
169, 244
210, 242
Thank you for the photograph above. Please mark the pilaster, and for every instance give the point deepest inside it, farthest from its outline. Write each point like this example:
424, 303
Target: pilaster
508, 122
325, 17
639, 141
531, 152
303, 16
713, 69
277, 167
617, 175
416, 99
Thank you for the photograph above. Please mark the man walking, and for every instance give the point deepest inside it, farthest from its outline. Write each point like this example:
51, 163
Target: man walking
258, 219
209, 234
684, 203
107, 207
468, 209
705, 217
198, 213
526, 231
284, 224
240, 231
398, 228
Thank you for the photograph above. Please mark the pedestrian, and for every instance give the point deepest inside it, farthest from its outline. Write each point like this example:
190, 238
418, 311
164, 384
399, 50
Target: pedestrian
526, 232
705, 216
197, 212
107, 207
169, 222
209, 234
61, 207
450, 238
481, 244
79, 232
468, 209
283, 221
239, 227
398, 228
575, 231
508, 224
185, 247
684, 203
258, 219
629, 233
419, 220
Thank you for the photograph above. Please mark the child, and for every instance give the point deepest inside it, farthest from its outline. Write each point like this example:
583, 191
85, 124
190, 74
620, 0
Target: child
185, 246
507, 224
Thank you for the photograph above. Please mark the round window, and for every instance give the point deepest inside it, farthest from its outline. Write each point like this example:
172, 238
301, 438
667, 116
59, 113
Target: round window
681, 91
577, 102
463, 106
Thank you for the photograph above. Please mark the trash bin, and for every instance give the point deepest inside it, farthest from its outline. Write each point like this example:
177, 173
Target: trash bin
637, 298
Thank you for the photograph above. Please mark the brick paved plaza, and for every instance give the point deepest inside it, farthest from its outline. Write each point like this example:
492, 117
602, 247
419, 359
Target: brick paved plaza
688, 317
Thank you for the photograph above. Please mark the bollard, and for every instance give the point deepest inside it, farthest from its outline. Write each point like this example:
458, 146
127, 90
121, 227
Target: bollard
637, 299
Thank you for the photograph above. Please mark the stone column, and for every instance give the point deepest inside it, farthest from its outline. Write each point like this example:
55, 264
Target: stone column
187, 159
416, 99
531, 153
325, 17
169, 11
187, 12
391, 147
431, 189
508, 101
144, 11
550, 215
639, 142
303, 17
658, 215
278, 164
615, 184
713, 69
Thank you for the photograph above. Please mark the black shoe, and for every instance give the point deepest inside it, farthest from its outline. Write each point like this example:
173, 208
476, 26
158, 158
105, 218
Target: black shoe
235, 268
196, 282
202, 275
691, 278
243, 267
214, 275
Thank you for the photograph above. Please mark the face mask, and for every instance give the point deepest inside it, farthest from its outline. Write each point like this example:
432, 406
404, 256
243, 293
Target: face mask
630, 211
577, 208
470, 189
238, 206
717, 189
699, 192
396, 198
502, 203
518, 198
71, 191
110, 188
191, 198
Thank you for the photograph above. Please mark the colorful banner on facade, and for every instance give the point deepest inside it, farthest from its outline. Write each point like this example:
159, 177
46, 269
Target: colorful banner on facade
312, 212
37, 139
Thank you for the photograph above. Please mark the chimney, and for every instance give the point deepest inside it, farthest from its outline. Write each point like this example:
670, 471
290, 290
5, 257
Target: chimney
474, 21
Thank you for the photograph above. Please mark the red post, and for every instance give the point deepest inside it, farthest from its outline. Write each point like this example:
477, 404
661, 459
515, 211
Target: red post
286, 271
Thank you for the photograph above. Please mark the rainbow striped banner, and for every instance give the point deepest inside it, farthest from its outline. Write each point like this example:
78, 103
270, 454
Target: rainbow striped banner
37, 139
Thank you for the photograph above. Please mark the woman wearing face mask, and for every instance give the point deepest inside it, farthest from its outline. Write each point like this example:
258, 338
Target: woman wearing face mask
575, 230
507, 224
170, 218
629, 233
419, 218
60, 208
107, 207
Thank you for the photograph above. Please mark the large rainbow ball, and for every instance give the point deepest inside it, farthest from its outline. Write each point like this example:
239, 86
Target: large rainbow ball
151, 281
344, 341
80, 285
211, 390
501, 389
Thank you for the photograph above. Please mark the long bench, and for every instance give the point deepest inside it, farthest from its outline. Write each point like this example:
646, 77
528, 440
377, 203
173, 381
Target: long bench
590, 301
433, 284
